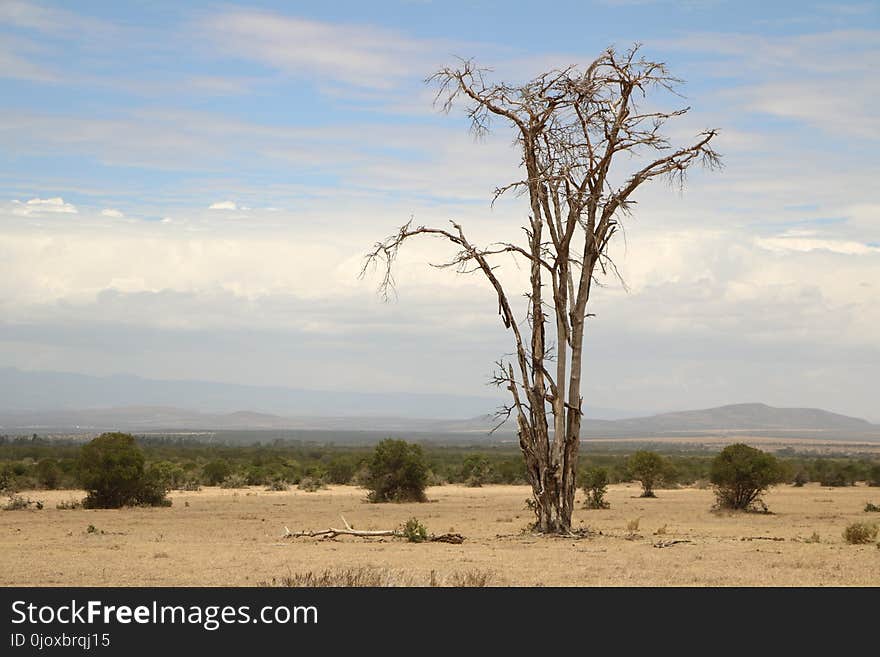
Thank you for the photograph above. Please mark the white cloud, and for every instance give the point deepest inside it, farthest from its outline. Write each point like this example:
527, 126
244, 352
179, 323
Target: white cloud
223, 205
826, 80
39, 205
807, 244
111, 212
30, 16
359, 55
17, 65
219, 86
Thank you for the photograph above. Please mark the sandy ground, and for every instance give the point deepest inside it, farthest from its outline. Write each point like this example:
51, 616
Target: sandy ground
220, 537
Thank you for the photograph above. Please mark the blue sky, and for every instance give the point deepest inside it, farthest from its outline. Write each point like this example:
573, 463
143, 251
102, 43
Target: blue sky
186, 190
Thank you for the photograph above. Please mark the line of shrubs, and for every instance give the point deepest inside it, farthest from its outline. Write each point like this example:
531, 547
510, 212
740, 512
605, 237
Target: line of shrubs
473, 469
173, 464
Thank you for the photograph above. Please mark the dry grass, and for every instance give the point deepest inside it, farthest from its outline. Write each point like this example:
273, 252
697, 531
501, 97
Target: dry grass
380, 577
860, 533
228, 537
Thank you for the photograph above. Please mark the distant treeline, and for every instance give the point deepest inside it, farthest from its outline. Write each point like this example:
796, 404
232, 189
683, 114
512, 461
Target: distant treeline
36, 462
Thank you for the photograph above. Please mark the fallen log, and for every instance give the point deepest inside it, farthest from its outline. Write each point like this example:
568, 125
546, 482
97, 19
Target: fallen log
333, 532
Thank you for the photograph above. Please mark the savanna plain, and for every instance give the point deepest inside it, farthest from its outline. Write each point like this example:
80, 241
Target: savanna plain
221, 537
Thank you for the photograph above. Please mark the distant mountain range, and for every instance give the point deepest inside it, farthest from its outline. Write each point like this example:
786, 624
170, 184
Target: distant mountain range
54, 391
44, 402
738, 418
742, 419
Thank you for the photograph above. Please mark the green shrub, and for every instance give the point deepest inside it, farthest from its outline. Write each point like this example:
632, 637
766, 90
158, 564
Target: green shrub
414, 531
800, 479
596, 487
836, 474
647, 468
874, 475
215, 472
170, 475
475, 470
153, 492
311, 484
278, 485
341, 470
361, 476
111, 470
234, 480
397, 472
860, 533
740, 474
257, 475
190, 484
48, 474
435, 479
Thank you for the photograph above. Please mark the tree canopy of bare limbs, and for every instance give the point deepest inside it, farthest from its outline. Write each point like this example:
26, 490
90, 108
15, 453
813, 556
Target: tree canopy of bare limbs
572, 127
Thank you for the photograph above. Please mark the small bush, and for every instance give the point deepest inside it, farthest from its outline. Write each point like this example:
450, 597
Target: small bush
278, 485
17, 503
800, 479
234, 480
48, 474
741, 474
596, 487
256, 475
111, 469
397, 473
475, 470
170, 475
361, 476
647, 468
860, 533
68, 505
872, 508
311, 484
414, 531
341, 470
153, 492
215, 472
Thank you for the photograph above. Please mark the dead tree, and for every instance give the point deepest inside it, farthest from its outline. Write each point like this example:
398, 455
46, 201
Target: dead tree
572, 126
